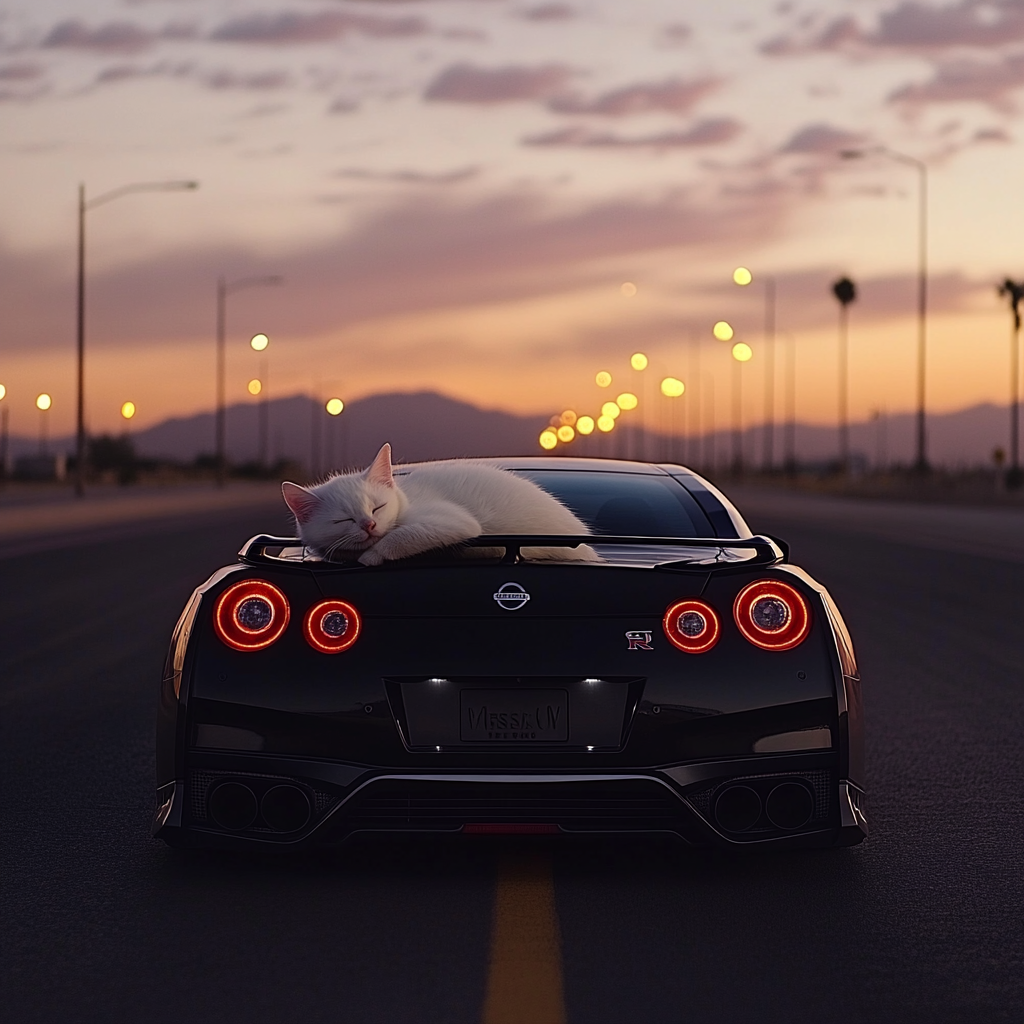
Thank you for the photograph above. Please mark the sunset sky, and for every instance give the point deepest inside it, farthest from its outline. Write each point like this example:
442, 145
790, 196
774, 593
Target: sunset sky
455, 191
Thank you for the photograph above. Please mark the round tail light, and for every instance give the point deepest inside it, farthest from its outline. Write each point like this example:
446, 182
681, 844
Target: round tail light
772, 615
332, 626
692, 626
251, 615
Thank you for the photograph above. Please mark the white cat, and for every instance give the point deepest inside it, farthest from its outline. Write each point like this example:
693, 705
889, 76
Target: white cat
438, 504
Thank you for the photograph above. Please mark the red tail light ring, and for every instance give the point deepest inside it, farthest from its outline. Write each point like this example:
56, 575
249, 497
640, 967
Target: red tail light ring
332, 626
251, 615
772, 615
692, 626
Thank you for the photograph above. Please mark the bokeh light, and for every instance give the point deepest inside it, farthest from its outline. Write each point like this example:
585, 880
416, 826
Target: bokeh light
259, 342
585, 425
334, 406
627, 401
44, 401
605, 423
565, 433
742, 352
672, 387
548, 439
742, 276
603, 379
568, 418
3, 392
255, 386
610, 409
628, 289
723, 331
638, 361
128, 410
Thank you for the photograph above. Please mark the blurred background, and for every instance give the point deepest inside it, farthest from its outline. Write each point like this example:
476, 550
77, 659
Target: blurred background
455, 218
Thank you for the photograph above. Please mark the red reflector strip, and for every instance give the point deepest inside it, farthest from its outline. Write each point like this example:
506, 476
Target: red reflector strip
510, 828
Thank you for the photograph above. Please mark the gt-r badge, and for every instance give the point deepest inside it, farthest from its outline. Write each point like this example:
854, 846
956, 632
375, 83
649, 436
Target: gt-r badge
511, 596
639, 639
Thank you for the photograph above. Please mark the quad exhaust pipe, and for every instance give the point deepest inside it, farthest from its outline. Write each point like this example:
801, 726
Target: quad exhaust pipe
788, 805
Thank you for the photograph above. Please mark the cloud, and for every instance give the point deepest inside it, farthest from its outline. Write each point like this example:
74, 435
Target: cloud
710, 132
675, 34
915, 27
549, 12
673, 96
991, 135
406, 177
821, 138
20, 72
113, 37
291, 28
988, 82
424, 252
466, 83
259, 80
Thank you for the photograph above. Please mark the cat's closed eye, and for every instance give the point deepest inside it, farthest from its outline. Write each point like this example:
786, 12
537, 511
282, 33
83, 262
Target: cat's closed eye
344, 520
379, 507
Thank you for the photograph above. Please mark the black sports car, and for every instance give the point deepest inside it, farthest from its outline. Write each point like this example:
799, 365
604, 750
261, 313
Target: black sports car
693, 682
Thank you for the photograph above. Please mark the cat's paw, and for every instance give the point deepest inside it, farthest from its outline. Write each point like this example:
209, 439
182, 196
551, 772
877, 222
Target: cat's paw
371, 556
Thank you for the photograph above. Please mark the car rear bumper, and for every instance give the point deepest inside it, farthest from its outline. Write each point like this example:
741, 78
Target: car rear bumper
249, 801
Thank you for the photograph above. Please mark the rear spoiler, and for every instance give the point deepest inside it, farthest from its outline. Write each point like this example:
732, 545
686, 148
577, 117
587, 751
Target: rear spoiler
768, 550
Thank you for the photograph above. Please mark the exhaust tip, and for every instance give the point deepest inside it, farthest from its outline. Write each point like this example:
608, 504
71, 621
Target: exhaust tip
285, 808
737, 808
233, 806
789, 805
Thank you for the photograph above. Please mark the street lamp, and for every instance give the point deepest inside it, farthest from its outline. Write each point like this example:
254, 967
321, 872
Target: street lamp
43, 403
742, 276
260, 343
1014, 291
4, 433
845, 292
83, 206
921, 463
741, 353
224, 289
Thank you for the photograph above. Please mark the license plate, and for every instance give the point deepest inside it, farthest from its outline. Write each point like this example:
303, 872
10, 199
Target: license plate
514, 716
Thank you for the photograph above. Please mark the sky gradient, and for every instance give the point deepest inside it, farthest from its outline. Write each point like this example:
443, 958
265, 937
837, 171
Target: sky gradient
455, 191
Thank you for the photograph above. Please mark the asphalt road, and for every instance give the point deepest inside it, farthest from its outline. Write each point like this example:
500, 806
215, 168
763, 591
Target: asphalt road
923, 922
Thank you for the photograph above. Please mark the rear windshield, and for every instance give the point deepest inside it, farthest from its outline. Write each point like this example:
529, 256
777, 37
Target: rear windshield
625, 504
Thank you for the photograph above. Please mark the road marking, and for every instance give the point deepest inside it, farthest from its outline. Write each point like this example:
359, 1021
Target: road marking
524, 980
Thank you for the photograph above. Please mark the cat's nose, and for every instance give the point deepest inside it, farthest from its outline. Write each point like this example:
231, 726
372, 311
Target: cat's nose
369, 525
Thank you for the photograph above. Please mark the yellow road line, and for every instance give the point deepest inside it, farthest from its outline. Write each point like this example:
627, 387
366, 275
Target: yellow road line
524, 981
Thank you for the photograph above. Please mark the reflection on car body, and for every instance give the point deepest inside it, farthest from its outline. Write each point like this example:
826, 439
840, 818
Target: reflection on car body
693, 682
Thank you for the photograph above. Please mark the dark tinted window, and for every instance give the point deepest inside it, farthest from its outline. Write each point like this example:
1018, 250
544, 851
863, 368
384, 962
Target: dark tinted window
625, 504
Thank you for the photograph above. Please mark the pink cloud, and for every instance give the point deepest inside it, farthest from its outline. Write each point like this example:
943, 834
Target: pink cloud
115, 36
292, 28
673, 95
988, 82
821, 138
549, 12
712, 131
466, 83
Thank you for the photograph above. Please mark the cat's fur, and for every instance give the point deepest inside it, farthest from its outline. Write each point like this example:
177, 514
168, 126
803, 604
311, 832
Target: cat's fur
370, 516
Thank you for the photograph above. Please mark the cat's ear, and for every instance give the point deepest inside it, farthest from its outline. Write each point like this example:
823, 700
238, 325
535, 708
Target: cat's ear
303, 504
380, 471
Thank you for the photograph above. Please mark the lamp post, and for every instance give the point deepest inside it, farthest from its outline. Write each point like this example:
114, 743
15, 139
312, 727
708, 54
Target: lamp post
4, 433
638, 361
742, 276
335, 407
43, 403
260, 343
845, 292
83, 206
741, 353
921, 461
1014, 291
224, 289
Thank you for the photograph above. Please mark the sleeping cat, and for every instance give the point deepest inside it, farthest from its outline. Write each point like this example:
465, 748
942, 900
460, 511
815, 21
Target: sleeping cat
367, 514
